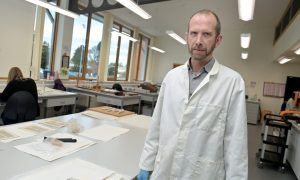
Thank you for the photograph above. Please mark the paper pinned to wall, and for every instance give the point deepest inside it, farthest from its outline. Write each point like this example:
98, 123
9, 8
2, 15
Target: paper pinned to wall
274, 89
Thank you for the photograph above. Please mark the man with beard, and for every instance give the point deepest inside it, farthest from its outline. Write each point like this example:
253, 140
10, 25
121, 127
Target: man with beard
199, 126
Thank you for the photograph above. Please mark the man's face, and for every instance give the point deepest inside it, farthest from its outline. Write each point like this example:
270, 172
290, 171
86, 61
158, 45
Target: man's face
202, 37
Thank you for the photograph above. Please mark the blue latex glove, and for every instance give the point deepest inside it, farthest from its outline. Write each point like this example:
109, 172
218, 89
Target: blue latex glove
143, 175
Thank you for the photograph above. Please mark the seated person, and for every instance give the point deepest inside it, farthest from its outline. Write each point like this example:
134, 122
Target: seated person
119, 88
290, 104
60, 86
16, 82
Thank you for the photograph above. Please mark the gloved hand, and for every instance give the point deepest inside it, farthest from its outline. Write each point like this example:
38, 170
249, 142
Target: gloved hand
143, 175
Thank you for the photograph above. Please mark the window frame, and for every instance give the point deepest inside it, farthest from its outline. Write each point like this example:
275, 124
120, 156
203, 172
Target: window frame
120, 28
86, 47
139, 56
54, 41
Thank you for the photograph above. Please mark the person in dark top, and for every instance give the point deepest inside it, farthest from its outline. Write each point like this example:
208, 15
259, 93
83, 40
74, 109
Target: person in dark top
16, 82
119, 88
60, 86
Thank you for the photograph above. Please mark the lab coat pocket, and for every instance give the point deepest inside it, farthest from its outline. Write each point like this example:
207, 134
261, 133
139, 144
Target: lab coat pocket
209, 117
210, 170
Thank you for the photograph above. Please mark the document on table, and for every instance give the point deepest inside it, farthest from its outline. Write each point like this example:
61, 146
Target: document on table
104, 132
21, 130
71, 169
140, 121
50, 151
53, 123
97, 115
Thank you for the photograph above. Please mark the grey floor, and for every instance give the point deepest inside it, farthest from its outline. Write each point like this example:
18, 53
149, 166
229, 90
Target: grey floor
268, 172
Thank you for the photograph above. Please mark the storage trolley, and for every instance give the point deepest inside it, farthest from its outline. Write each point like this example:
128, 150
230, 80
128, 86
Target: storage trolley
275, 143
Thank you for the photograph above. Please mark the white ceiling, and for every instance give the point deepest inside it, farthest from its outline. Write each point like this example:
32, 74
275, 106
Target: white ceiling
174, 15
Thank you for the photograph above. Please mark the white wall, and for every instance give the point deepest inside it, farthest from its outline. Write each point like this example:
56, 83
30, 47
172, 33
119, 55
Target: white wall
16, 34
259, 67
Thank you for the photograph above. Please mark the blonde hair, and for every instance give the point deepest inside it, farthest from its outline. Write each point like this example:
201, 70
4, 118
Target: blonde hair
14, 73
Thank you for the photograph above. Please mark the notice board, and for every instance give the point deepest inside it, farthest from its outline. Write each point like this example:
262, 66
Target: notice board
274, 89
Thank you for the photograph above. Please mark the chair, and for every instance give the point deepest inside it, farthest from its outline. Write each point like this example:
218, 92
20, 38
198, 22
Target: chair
20, 107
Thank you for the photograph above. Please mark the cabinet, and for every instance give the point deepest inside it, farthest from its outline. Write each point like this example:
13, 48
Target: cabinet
252, 109
294, 150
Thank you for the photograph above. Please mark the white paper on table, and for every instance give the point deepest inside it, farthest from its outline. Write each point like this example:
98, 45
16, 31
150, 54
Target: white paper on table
140, 121
70, 169
18, 131
50, 152
98, 115
52, 123
34, 128
104, 132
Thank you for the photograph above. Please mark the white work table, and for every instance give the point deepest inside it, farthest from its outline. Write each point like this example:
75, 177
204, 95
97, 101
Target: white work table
109, 98
149, 97
146, 95
51, 97
120, 154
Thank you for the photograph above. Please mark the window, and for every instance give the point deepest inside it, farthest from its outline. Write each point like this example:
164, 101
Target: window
48, 43
120, 54
94, 47
78, 46
87, 36
142, 58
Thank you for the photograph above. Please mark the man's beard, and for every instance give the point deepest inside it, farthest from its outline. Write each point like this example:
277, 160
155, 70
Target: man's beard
202, 57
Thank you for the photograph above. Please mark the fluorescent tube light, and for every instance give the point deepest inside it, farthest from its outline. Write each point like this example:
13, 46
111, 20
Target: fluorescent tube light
124, 36
176, 37
135, 8
284, 60
244, 55
157, 49
54, 8
297, 51
245, 40
246, 9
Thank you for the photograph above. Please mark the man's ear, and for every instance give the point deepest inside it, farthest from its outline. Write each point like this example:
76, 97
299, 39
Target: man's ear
219, 40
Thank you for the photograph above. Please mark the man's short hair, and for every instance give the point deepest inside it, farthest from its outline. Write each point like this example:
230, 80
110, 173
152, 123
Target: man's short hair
206, 11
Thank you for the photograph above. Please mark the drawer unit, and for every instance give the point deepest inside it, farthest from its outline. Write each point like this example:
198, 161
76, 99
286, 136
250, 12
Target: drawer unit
109, 100
60, 101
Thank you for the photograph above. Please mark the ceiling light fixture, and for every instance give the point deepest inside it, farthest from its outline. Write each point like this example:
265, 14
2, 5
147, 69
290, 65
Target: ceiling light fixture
297, 51
157, 49
135, 8
245, 40
246, 9
176, 37
124, 36
284, 60
54, 8
244, 55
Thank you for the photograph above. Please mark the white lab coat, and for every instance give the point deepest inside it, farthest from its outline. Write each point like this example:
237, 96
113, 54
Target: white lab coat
203, 137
